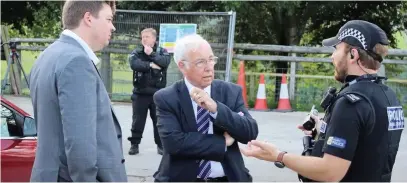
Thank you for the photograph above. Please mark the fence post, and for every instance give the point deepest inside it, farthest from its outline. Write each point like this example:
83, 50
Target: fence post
252, 87
231, 38
106, 72
292, 78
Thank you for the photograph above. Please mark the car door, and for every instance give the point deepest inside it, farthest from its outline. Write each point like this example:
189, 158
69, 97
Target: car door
17, 149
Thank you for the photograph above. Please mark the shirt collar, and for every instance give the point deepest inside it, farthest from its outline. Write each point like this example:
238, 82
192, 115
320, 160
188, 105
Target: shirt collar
84, 45
189, 86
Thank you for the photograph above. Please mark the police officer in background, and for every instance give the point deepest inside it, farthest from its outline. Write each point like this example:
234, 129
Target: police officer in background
359, 137
149, 63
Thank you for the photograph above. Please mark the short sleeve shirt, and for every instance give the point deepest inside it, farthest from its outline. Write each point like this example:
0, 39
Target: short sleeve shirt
347, 123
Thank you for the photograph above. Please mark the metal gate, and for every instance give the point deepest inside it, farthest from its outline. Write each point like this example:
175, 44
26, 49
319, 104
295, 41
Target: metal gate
216, 27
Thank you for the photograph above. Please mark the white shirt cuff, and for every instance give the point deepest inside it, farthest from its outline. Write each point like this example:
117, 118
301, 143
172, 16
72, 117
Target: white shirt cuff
214, 114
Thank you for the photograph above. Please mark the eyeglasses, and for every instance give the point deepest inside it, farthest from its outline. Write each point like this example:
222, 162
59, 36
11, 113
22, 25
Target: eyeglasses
204, 62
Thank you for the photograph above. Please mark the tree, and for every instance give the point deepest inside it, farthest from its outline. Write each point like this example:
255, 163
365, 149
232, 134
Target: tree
25, 15
285, 22
264, 22
331, 16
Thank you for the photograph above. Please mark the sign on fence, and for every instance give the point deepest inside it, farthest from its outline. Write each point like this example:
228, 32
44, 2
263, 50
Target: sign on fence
170, 33
216, 27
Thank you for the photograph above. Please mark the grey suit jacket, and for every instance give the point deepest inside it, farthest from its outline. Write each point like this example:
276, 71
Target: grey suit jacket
79, 136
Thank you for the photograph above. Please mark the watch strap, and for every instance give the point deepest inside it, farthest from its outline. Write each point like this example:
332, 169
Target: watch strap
280, 156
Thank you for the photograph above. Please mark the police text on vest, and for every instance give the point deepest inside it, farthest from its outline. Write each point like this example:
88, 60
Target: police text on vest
396, 118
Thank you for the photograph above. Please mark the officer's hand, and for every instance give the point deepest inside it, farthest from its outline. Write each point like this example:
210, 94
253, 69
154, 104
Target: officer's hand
148, 50
317, 125
261, 150
229, 139
155, 66
306, 132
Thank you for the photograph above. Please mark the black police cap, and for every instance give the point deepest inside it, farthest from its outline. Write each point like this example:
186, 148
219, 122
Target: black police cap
359, 33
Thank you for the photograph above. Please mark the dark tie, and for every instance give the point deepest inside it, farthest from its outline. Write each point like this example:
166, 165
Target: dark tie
202, 121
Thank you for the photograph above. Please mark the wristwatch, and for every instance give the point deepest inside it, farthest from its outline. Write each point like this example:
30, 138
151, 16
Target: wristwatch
279, 163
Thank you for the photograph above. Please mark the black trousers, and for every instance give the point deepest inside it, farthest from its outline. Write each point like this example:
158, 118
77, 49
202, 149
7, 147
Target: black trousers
141, 105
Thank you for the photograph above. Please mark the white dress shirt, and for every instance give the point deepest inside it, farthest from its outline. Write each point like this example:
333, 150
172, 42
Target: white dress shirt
216, 167
85, 46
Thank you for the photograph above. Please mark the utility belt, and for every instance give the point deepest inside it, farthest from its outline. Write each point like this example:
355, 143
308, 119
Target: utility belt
313, 143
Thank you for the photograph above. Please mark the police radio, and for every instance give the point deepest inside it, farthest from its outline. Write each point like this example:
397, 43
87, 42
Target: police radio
309, 123
328, 97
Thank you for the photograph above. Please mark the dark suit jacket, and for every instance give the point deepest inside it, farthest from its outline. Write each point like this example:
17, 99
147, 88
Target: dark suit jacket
184, 146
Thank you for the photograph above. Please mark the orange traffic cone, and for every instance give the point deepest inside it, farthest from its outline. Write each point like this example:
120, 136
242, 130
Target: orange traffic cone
242, 81
284, 101
261, 101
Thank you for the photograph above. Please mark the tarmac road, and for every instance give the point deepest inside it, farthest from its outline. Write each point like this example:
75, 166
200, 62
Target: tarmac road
277, 128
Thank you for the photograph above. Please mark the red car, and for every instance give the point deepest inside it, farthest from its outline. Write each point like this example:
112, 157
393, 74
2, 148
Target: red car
18, 143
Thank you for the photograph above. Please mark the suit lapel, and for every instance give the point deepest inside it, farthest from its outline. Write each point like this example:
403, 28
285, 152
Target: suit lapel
186, 105
216, 95
96, 68
68, 39
216, 91
111, 107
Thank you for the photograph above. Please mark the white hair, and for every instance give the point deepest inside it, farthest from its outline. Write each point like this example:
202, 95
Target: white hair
186, 44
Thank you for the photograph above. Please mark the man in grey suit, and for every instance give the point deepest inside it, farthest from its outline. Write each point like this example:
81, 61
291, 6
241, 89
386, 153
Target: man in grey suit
79, 136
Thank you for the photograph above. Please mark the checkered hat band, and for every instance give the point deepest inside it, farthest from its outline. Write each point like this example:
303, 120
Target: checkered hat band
355, 34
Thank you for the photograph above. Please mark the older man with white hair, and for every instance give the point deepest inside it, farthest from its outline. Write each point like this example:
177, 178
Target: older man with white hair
201, 121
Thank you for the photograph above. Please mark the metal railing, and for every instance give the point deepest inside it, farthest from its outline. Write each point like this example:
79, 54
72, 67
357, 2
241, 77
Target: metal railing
304, 86
216, 27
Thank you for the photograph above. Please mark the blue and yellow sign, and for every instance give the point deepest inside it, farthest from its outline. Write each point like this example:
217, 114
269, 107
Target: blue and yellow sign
170, 33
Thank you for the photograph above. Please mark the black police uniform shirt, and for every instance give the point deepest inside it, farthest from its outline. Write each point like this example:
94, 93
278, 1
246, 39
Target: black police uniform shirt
356, 130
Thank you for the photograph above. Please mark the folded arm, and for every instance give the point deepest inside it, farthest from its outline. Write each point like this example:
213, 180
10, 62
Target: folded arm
137, 64
162, 60
242, 128
185, 144
77, 100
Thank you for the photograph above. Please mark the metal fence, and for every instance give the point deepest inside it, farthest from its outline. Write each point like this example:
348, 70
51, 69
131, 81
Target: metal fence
309, 74
216, 27
309, 87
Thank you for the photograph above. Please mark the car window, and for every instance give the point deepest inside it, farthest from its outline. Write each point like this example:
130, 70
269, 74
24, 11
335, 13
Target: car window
6, 119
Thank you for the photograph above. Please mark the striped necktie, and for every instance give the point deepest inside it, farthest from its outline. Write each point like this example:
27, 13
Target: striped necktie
203, 119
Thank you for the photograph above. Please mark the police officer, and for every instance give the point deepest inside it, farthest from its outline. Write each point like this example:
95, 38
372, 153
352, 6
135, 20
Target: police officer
149, 63
358, 138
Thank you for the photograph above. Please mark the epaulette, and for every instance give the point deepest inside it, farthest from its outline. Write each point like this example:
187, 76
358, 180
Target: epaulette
352, 97
139, 49
162, 51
